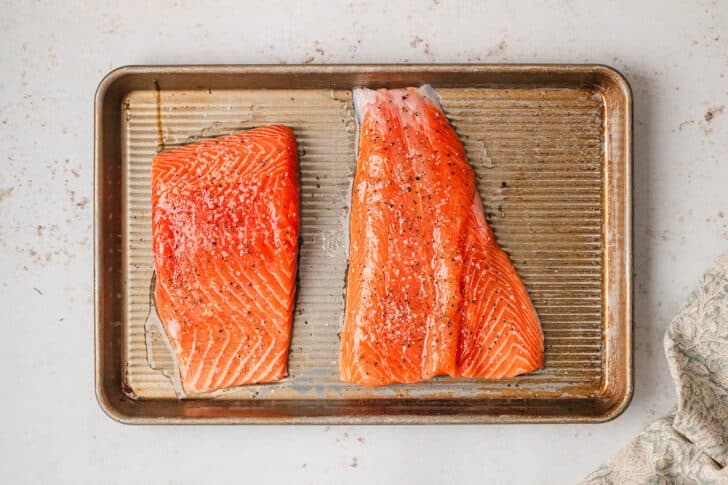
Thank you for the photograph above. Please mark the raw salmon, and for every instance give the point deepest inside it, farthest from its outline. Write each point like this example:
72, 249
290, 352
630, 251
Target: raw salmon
225, 224
429, 292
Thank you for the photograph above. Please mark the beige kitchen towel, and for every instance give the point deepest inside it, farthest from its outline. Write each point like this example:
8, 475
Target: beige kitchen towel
692, 445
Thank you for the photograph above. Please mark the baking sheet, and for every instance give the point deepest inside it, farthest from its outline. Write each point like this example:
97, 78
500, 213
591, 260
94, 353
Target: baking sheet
551, 150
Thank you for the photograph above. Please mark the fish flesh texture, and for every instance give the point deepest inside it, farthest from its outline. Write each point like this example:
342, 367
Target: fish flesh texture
225, 228
429, 292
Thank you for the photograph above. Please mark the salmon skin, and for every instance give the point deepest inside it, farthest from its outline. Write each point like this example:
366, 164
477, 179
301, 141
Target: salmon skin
429, 292
225, 225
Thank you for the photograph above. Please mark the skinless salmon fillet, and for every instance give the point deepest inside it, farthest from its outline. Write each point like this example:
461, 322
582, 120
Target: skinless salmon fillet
429, 292
225, 225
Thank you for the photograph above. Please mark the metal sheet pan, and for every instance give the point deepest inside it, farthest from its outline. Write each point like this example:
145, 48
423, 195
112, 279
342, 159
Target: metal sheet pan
552, 150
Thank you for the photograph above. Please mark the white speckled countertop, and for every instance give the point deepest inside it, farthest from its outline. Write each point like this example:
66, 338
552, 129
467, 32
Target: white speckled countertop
52, 57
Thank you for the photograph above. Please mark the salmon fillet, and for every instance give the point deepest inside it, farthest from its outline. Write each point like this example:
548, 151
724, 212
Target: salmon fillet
225, 225
429, 292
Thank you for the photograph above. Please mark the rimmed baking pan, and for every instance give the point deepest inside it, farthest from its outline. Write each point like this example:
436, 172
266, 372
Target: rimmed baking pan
551, 146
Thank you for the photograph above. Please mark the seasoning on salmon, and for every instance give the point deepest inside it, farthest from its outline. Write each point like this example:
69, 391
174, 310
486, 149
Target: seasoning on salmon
429, 292
225, 225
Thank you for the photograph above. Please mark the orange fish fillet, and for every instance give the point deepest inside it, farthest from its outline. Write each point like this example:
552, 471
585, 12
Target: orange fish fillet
429, 292
225, 224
